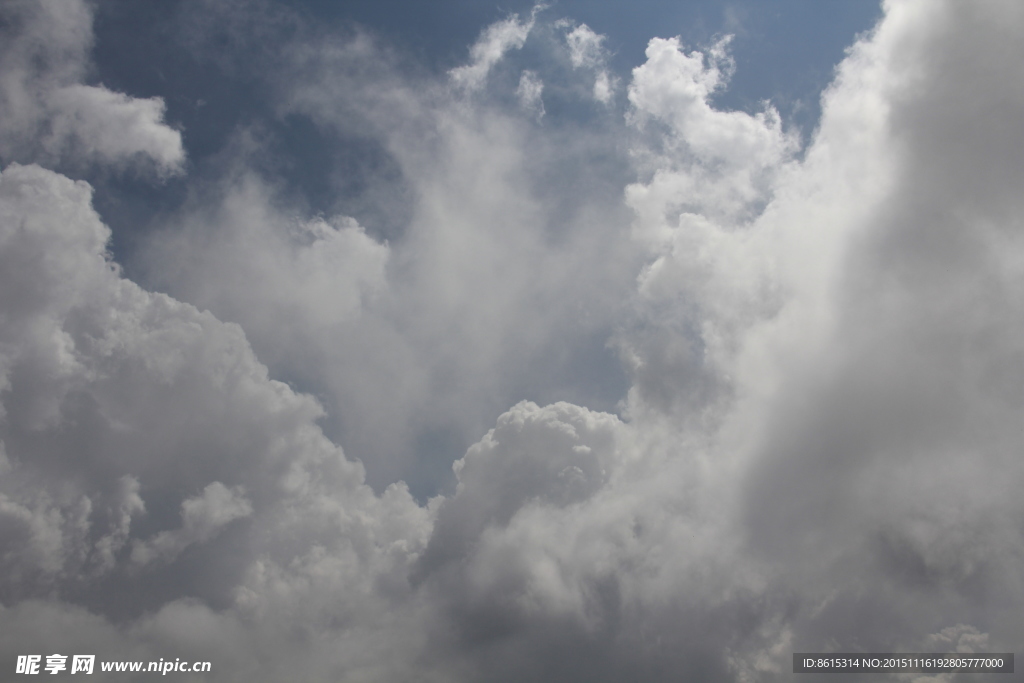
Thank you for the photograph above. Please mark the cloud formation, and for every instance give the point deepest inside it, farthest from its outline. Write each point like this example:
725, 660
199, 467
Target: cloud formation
529, 93
495, 41
818, 447
418, 335
586, 51
49, 113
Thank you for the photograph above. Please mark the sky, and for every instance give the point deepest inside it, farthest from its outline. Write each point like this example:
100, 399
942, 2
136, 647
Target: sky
405, 341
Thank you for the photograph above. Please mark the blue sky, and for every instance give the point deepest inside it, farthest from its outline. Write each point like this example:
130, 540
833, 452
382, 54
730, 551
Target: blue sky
468, 342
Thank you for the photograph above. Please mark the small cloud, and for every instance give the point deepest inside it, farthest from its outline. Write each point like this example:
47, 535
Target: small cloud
587, 52
202, 517
98, 123
585, 47
492, 45
529, 93
603, 87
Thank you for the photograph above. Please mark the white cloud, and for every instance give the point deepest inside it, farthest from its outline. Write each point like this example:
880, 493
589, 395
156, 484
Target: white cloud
416, 346
713, 163
295, 277
586, 51
48, 114
529, 93
492, 45
118, 400
115, 128
603, 87
584, 46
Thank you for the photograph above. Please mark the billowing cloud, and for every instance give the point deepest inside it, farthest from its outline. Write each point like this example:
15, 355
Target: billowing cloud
416, 343
47, 111
818, 447
129, 415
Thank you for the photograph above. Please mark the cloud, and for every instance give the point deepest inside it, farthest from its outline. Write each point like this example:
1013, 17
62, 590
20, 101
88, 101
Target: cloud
818, 450
297, 276
48, 112
119, 406
712, 163
415, 335
202, 518
586, 51
554, 456
584, 46
495, 41
529, 93
98, 123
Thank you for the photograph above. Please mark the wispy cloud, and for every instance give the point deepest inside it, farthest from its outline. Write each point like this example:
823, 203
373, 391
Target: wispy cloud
492, 45
586, 51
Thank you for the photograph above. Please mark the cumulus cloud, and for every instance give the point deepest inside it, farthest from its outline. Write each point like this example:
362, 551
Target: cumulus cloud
706, 163
120, 404
418, 342
818, 449
48, 112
